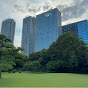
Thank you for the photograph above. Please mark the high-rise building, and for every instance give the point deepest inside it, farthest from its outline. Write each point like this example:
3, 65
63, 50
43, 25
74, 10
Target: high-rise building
48, 29
79, 28
28, 35
8, 28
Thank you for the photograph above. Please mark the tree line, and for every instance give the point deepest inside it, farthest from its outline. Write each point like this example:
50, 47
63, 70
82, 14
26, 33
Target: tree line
68, 54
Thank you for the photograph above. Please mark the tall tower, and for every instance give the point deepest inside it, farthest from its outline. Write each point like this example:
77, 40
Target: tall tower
48, 29
28, 35
8, 28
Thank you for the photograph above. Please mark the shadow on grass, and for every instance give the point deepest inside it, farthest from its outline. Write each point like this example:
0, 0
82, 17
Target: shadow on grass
36, 72
53, 73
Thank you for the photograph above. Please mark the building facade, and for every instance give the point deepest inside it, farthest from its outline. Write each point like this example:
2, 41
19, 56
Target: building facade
28, 35
48, 29
8, 28
79, 28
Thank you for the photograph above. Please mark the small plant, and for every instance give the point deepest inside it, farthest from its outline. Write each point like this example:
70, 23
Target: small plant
14, 70
19, 71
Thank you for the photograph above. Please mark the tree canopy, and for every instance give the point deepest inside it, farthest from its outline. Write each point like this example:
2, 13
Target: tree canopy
68, 54
7, 54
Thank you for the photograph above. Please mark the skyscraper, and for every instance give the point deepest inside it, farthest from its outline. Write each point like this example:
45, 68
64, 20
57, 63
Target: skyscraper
48, 28
79, 28
8, 28
28, 35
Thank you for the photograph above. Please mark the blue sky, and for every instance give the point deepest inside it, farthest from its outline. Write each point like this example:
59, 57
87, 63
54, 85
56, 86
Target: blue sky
71, 10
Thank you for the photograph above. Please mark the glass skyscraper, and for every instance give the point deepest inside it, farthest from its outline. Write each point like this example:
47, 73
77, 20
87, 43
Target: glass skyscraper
8, 28
79, 28
28, 35
48, 29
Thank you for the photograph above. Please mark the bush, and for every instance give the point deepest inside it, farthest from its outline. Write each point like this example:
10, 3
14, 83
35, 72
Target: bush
33, 66
14, 70
19, 71
57, 66
26, 66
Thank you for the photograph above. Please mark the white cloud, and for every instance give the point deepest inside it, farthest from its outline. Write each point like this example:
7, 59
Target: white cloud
72, 11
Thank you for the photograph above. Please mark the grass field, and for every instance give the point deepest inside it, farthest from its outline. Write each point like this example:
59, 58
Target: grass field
27, 79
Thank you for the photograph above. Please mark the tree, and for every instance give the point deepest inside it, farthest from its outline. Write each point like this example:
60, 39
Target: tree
68, 54
7, 53
34, 56
41, 57
70, 49
57, 66
6, 62
33, 66
20, 60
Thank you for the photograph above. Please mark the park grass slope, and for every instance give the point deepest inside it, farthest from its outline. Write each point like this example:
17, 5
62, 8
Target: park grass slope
28, 79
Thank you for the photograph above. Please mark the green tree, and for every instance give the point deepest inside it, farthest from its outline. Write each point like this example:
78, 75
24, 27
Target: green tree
33, 66
41, 57
7, 54
34, 56
70, 49
6, 62
57, 66
20, 60
68, 54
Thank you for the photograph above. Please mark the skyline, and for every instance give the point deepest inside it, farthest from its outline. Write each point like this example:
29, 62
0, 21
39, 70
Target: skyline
48, 29
72, 11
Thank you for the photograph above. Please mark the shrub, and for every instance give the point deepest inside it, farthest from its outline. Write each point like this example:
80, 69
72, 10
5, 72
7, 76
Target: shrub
33, 66
14, 70
19, 71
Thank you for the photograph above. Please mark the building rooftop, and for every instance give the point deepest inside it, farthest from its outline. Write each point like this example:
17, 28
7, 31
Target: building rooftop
8, 19
75, 22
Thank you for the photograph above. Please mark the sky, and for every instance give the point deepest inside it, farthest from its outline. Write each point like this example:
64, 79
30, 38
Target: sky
71, 11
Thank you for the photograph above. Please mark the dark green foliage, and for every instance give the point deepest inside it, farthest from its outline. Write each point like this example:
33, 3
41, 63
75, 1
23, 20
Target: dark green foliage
57, 66
27, 66
35, 56
68, 54
14, 70
70, 49
7, 54
32, 66
6, 62
35, 66
19, 71
20, 60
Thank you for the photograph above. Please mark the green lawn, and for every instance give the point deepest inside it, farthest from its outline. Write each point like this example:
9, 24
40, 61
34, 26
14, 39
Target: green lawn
27, 79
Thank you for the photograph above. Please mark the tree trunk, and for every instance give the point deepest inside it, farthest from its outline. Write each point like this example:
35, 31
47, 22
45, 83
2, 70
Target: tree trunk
0, 74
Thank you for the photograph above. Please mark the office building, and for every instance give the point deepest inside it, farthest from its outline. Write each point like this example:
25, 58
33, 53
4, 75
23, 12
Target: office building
8, 28
28, 35
48, 29
79, 28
